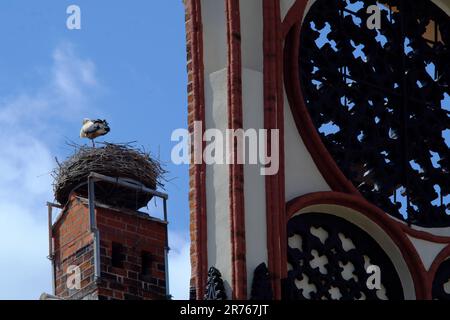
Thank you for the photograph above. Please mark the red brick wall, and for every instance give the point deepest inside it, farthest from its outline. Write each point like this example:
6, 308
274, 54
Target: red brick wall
73, 246
136, 233
196, 112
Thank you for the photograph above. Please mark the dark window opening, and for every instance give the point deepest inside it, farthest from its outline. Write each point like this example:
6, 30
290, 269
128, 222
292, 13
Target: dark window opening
117, 256
146, 265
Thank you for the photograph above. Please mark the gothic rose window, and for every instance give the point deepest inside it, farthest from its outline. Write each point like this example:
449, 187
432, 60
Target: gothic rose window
380, 100
330, 259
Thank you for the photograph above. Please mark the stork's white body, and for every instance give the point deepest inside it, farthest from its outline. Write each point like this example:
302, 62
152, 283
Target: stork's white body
92, 129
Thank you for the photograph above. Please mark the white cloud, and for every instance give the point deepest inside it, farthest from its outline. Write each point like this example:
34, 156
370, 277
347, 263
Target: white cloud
25, 272
70, 85
71, 76
25, 164
179, 266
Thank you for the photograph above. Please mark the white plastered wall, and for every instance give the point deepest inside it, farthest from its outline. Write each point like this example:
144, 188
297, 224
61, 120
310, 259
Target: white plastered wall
443, 4
216, 116
304, 177
253, 115
285, 5
217, 176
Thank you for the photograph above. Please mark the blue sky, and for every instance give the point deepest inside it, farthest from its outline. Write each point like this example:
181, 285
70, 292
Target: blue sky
127, 65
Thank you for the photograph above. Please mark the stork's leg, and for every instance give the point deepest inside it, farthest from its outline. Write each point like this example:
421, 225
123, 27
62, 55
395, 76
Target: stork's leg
93, 143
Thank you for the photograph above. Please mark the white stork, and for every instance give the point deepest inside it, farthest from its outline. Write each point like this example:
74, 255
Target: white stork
93, 129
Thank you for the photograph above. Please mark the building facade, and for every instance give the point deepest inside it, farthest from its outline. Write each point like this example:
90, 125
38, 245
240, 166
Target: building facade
357, 187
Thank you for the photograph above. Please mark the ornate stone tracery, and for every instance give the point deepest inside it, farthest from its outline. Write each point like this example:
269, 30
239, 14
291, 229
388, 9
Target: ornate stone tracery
380, 101
329, 258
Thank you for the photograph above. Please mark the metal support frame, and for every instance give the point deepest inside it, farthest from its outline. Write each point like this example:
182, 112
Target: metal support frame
94, 229
166, 251
51, 249
92, 178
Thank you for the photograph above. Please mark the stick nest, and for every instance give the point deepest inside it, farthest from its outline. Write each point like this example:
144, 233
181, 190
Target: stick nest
114, 160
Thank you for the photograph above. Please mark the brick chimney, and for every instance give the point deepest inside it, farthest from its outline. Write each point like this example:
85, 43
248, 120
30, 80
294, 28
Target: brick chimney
115, 254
